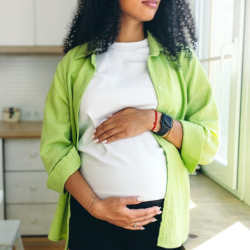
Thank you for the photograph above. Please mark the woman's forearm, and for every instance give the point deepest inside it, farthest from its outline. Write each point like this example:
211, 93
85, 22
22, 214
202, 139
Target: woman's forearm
174, 135
78, 187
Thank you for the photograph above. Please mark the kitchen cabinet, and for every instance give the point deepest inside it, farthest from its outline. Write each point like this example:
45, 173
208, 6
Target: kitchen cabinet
52, 20
22, 155
28, 187
26, 196
35, 218
34, 23
17, 22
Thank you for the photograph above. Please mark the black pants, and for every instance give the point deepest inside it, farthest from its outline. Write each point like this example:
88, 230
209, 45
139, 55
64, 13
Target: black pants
89, 233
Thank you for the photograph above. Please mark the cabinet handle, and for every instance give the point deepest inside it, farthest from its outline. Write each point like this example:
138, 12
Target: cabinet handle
34, 155
34, 221
33, 188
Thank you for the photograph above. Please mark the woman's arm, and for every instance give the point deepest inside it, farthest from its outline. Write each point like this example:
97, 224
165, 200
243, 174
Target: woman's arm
62, 161
174, 135
77, 186
112, 209
196, 135
199, 129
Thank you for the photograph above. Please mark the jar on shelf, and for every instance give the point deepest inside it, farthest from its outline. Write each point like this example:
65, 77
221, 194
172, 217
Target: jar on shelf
11, 114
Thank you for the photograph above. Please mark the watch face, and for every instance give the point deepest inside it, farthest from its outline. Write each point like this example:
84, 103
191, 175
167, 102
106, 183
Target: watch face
169, 121
166, 124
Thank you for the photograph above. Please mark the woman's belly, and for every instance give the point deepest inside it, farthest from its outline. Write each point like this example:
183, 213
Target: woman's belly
126, 167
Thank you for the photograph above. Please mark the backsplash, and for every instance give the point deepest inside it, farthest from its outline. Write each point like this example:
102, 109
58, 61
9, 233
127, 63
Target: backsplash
25, 81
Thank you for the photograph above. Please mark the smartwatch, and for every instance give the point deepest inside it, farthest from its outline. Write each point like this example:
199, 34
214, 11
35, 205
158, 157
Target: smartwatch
166, 124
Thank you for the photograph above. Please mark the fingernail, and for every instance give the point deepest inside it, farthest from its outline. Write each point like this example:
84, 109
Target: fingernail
96, 140
105, 141
139, 198
154, 219
142, 228
159, 212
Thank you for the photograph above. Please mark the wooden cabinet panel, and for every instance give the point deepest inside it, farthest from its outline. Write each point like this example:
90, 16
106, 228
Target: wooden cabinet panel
52, 20
23, 155
28, 187
35, 218
17, 22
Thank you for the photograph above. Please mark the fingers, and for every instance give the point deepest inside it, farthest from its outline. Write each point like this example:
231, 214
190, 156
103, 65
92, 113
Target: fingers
130, 225
129, 200
140, 216
144, 218
112, 135
144, 212
104, 130
134, 228
127, 225
140, 224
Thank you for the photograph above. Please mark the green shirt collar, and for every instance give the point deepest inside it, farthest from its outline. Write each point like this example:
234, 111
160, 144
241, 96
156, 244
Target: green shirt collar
154, 46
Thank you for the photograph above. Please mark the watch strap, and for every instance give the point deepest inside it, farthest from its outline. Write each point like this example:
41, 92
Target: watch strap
166, 123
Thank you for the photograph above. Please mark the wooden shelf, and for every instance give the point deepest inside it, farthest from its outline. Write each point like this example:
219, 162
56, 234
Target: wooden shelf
56, 50
22, 129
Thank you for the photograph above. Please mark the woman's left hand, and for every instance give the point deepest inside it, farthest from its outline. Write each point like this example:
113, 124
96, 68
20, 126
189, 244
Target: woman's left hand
125, 123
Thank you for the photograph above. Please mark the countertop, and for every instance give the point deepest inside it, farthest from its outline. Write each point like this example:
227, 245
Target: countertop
21, 129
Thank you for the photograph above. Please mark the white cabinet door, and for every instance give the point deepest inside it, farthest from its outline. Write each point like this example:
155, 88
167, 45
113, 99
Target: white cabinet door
35, 218
53, 19
23, 155
16, 22
28, 187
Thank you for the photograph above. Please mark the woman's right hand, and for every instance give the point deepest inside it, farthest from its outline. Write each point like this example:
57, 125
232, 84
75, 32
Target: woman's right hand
115, 211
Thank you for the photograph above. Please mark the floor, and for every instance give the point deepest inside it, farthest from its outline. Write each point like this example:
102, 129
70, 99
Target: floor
41, 243
219, 221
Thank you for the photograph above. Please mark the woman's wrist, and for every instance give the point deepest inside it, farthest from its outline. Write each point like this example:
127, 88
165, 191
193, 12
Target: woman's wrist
152, 120
92, 204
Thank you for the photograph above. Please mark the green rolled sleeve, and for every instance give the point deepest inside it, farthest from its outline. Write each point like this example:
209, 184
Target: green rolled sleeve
200, 140
58, 153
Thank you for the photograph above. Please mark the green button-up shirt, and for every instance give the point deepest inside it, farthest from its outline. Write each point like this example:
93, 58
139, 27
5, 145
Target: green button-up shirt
185, 93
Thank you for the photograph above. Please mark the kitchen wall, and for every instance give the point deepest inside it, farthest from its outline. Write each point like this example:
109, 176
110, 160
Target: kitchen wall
25, 81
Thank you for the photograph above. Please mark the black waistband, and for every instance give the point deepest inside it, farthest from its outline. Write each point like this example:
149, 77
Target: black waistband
144, 204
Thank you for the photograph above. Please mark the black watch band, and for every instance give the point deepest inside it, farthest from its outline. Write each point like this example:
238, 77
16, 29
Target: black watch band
166, 124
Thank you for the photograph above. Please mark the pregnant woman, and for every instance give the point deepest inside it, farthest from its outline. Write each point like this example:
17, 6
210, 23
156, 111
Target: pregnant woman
129, 114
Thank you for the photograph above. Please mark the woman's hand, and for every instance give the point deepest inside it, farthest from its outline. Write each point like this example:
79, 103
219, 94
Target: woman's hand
115, 211
125, 123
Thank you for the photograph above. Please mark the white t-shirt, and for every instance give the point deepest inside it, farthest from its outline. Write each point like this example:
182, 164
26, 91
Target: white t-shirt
128, 166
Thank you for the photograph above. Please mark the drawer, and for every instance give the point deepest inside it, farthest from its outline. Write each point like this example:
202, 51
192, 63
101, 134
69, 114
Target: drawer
35, 218
23, 154
28, 187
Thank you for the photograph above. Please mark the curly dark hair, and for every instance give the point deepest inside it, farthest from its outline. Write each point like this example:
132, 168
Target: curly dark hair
97, 22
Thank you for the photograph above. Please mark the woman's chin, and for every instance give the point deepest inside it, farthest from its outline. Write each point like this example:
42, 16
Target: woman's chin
147, 17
